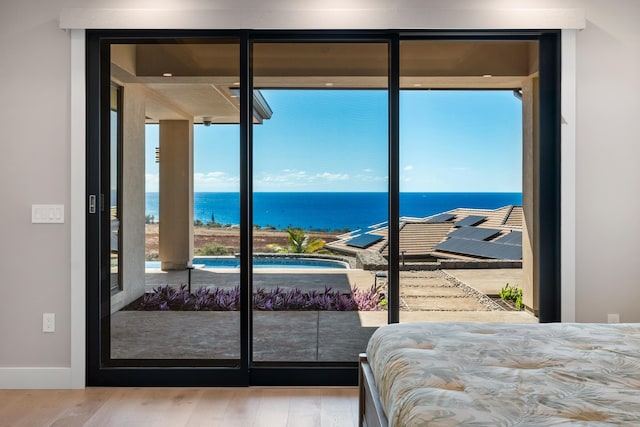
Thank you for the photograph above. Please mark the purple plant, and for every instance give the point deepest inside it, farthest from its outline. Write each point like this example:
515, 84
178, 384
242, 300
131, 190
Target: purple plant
368, 299
205, 299
150, 301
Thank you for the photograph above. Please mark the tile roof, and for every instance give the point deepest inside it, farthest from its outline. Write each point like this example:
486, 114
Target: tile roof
418, 237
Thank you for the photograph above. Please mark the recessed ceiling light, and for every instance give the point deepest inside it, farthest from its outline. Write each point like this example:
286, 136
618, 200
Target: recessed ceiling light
417, 85
236, 83
487, 75
328, 84
167, 74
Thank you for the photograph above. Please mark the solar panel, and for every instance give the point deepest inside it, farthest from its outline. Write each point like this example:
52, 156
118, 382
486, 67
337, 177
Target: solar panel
474, 233
481, 248
363, 241
513, 238
440, 218
470, 221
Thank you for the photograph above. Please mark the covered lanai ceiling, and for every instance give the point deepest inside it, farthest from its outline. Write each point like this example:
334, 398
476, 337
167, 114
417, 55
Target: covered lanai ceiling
199, 79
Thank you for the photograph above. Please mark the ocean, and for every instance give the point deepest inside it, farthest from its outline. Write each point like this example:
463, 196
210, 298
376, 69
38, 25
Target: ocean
331, 211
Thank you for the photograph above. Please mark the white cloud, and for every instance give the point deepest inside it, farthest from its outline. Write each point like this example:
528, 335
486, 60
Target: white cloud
290, 179
284, 180
215, 181
287, 175
371, 178
210, 181
151, 182
408, 167
327, 176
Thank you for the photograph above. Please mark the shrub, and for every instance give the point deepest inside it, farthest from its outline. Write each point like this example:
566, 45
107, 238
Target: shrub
369, 299
204, 299
299, 243
214, 248
512, 294
167, 298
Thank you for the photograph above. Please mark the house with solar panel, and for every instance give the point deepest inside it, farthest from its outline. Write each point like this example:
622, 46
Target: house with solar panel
460, 234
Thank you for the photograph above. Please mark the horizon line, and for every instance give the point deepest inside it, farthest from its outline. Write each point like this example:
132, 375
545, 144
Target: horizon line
376, 192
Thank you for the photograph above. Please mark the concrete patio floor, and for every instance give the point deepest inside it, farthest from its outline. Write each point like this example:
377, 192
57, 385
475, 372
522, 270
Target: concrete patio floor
488, 281
300, 336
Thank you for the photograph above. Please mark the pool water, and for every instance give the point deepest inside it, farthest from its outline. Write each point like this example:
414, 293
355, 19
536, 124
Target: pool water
261, 262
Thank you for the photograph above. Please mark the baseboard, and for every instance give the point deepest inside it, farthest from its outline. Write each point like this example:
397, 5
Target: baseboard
35, 378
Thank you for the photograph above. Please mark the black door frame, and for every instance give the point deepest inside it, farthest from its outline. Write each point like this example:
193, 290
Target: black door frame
100, 371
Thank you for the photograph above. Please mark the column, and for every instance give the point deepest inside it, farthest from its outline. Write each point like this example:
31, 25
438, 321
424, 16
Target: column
176, 194
133, 197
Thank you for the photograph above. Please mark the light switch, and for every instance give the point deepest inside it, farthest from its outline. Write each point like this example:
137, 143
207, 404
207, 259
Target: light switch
47, 214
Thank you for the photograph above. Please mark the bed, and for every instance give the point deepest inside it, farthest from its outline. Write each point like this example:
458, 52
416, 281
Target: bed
491, 374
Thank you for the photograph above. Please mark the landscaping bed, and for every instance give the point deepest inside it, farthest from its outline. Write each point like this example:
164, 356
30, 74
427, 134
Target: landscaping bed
168, 298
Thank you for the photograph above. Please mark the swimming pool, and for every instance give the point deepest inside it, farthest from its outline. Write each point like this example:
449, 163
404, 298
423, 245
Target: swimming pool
261, 262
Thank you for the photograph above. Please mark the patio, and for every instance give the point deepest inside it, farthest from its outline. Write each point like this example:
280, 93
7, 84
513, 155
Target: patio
300, 336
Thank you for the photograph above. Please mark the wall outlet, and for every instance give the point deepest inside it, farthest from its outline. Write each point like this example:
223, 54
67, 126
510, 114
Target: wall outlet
613, 318
48, 322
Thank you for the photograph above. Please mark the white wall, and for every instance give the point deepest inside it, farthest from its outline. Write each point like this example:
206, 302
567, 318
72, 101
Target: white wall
607, 172
35, 163
34, 168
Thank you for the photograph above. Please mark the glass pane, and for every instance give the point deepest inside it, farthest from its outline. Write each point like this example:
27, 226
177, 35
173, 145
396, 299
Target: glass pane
115, 142
320, 180
461, 183
180, 204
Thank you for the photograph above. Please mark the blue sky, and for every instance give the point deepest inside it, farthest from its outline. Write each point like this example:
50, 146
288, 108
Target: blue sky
336, 140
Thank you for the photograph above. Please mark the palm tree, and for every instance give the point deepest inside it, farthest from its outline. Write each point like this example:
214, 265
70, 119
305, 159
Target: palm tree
299, 243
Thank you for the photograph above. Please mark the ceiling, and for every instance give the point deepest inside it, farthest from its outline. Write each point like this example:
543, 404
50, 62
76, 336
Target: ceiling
199, 79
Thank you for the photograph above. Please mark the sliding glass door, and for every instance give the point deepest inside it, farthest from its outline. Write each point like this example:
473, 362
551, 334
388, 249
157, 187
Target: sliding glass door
319, 178
173, 207
259, 202
470, 179
461, 181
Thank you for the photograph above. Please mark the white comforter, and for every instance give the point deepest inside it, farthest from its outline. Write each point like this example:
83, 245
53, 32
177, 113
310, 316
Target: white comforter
451, 374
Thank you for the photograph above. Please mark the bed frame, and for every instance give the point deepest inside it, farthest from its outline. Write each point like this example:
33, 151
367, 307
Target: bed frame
370, 412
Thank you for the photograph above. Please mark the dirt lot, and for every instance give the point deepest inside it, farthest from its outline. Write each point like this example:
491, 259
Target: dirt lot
228, 237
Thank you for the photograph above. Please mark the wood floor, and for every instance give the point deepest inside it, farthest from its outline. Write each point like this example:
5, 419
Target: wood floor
175, 407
